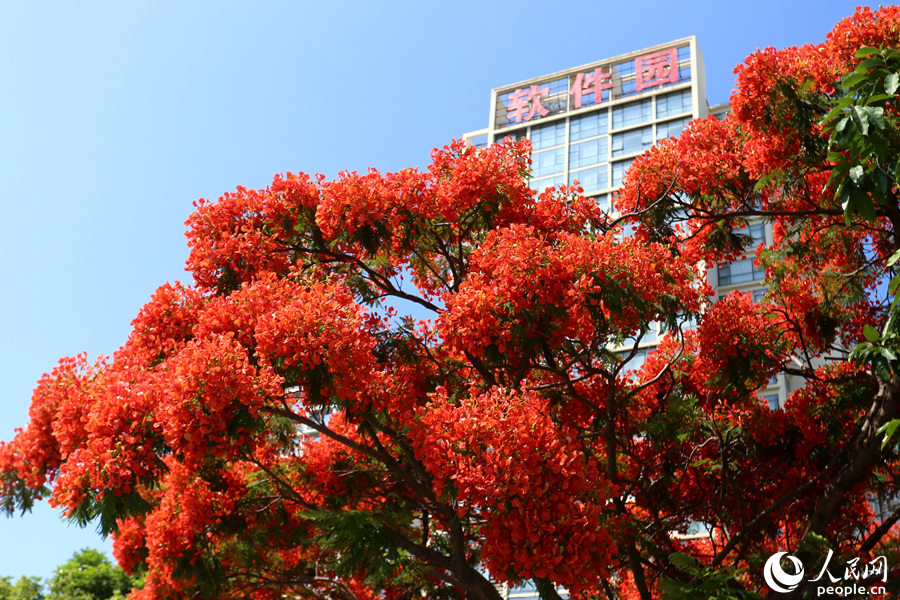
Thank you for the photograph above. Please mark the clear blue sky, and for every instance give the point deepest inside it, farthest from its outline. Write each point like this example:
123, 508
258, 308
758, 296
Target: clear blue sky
116, 116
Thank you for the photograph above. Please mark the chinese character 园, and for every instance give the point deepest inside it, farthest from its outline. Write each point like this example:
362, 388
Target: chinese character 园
656, 69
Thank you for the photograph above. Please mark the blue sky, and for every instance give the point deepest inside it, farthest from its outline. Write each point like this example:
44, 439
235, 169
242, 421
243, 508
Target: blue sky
116, 116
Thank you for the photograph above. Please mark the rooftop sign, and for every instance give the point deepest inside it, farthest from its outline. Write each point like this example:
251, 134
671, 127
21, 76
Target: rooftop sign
593, 86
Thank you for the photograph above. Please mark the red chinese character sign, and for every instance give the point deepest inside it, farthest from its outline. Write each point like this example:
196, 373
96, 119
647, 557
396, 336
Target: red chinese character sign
590, 83
525, 104
656, 69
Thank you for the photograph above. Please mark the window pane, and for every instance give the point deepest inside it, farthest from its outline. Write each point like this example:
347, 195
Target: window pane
629, 88
588, 126
618, 171
635, 362
740, 271
478, 141
631, 114
625, 69
684, 74
771, 400
587, 153
673, 104
548, 162
671, 128
516, 135
592, 180
542, 184
636, 140
547, 136
757, 231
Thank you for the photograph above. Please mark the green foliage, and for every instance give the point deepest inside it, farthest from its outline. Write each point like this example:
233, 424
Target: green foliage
361, 542
866, 170
703, 583
881, 349
20, 498
364, 544
89, 575
863, 135
27, 588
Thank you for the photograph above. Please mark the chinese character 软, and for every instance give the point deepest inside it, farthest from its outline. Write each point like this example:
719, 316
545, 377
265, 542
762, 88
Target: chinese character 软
525, 104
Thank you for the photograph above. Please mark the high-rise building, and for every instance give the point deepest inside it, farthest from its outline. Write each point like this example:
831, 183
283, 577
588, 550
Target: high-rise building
589, 123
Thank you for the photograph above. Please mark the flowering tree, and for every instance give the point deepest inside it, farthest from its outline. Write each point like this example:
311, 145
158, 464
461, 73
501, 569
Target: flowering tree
280, 428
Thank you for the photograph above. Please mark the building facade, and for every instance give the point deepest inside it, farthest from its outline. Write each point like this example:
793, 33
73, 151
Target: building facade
589, 123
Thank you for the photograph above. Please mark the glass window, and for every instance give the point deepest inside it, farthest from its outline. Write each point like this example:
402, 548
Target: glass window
673, 104
478, 141
592, 180
587, 153
771, 400
759, 295
671, 128
625, 69
515, 135
548, 162
629, 88
636, 140
542, 184
636, 361
740, 271
631, 114
618, 171
602, 201
588, 126
527, 586
547, 136
687, 321
684, 74
757, 233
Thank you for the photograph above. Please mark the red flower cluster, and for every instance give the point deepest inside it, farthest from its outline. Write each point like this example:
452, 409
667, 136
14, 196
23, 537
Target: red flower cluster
279, 430
541, 499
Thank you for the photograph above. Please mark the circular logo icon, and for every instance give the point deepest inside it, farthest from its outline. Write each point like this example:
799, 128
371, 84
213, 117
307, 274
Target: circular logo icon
775, 576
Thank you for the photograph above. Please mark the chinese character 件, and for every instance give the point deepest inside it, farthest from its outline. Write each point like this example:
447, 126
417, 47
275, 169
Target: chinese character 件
590, 83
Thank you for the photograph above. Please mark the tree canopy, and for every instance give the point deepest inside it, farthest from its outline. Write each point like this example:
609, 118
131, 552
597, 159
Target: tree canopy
283, 427
89, 575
